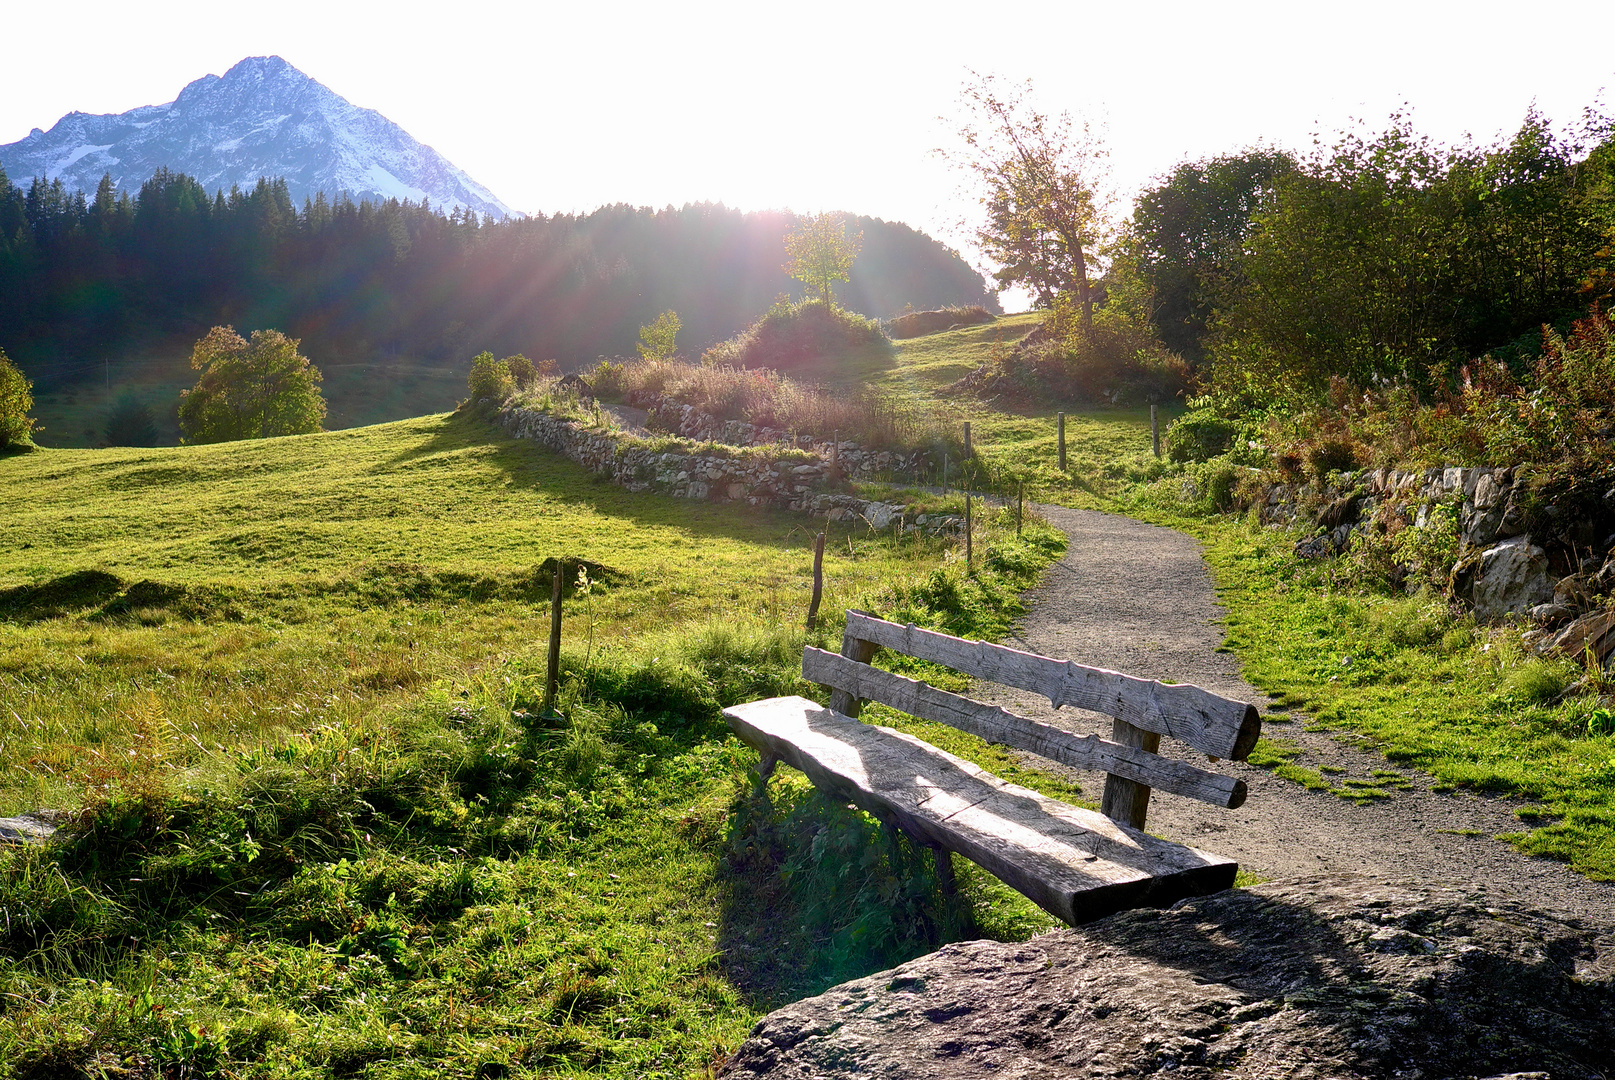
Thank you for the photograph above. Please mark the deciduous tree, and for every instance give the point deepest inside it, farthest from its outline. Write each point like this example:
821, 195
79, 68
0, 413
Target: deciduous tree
821, 252
657, 341
250, 389
1041, 181
16, 399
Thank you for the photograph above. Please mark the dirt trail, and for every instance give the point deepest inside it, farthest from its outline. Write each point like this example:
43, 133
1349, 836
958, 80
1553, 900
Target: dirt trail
1138, 598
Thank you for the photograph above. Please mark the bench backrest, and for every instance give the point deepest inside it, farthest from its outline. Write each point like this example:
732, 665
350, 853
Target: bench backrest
1142, 710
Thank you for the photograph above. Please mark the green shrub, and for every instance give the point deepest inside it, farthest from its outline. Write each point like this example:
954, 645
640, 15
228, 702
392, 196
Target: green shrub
1199, 435
1123, 362
16, 398
793, 335
490, 379
1535, 682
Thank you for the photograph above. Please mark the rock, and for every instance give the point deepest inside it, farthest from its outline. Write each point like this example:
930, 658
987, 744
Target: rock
1595, 631
33, 828
1317, 547
1511, 577
880, 515
1552, 614
1575, 591
1336, 976
1343, 511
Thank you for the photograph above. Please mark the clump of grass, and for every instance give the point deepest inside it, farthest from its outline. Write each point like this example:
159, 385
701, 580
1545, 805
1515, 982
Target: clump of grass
767, 398
1535, 682
912, 324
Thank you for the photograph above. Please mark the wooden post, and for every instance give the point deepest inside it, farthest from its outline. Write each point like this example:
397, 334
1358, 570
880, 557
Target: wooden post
1155, 430
966, 463
945, 880
1127, 801
1059, 429
970, 532
818, 581
944, 473
859, 650
553, 677
1020, 504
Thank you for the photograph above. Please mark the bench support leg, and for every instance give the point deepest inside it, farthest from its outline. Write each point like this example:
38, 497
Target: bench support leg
1127, 801
944, 873
765, 768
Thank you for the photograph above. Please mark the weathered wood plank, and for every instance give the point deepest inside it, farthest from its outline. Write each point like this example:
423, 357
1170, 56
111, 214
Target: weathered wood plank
1212, 724
859, 650
1126, 799
998, 725
1076, 864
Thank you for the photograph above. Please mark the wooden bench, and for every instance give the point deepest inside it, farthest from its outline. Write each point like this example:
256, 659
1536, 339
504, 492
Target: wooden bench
1076, 864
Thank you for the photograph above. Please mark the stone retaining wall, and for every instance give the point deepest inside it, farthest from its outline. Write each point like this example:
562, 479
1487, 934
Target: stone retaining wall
853, 460
1501, 571
756, 479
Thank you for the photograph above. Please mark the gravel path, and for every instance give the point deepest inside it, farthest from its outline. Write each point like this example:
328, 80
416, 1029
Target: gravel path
1138, 598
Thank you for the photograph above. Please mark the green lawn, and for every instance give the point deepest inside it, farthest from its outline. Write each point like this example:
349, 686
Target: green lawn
289, 690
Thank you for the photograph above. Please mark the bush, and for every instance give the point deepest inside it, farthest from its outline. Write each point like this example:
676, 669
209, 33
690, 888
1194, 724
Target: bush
916, 323
793, 335
16, 398
490, 378
1122, 363
1199, 435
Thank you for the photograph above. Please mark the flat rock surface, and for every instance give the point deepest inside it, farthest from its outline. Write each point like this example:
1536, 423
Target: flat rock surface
1330, 976
1138, 598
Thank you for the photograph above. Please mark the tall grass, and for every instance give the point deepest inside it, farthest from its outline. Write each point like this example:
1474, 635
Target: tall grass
871, 417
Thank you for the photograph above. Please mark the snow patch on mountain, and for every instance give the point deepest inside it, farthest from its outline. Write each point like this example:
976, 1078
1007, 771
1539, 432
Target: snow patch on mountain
262, 118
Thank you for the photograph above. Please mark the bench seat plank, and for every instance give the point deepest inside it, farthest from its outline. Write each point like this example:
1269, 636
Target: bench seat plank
1076, 864
999, 725
1208, 722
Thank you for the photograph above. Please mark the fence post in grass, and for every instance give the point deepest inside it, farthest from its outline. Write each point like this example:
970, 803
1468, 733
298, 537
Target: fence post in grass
944, 473
966, 463
1059, 434
970, 532
1155, 430
552, 676
818, 582
1020, 503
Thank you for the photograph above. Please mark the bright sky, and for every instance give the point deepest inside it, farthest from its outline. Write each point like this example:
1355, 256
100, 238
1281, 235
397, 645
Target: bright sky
830, 105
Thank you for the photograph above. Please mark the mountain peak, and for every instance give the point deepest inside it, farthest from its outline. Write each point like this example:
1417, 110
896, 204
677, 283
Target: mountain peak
263, 117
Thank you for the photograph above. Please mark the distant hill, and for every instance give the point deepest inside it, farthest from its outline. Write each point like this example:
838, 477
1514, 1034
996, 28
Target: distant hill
262, 118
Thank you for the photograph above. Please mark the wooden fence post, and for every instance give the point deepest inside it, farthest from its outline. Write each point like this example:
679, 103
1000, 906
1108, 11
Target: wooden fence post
818, 581
1155, 430
970, 532
552, 677
965, 463
1059, 428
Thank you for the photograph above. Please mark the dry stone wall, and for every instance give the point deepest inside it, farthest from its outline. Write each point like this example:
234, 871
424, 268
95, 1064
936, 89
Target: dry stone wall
755, 478
1501, 570
851, 459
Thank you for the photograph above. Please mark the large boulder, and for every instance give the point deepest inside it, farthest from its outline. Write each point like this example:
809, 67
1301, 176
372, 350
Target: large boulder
1508, 578
1337, 976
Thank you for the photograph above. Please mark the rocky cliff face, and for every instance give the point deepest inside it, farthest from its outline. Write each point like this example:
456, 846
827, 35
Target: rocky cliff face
1330, 977
262, 118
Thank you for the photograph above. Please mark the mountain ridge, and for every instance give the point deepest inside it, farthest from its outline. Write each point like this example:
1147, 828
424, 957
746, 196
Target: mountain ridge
261, 118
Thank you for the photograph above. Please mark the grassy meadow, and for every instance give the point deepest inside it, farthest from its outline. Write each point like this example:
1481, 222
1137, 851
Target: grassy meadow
287, 696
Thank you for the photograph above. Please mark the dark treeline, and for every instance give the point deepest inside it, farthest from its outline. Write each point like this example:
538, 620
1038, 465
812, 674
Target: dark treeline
1382, 260
81, 276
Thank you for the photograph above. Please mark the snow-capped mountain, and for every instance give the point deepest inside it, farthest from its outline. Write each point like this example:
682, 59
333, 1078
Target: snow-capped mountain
263, 117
